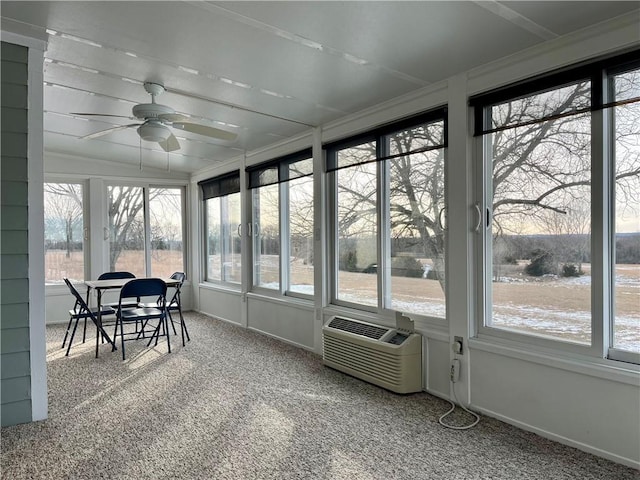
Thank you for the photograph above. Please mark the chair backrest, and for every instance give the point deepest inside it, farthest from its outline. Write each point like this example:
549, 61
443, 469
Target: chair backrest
115, 275
180, 276
144, 287
80, 306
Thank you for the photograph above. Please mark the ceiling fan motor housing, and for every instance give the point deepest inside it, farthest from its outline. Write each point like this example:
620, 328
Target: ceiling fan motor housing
144, 111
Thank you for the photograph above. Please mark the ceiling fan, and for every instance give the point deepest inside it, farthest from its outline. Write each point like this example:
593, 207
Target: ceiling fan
157, 121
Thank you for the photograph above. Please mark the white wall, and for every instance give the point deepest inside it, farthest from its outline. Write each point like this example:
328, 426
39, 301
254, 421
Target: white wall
590, 404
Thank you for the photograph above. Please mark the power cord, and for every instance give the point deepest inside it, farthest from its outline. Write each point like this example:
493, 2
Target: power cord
454, 374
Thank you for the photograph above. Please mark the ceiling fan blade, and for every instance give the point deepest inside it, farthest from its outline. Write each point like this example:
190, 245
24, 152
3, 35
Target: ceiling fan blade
172, 117
109, 130
100, 115
205, 130
171, 144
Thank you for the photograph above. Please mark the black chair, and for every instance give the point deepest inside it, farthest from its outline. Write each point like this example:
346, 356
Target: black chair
116, 276
175, 305
81, 311
140, 288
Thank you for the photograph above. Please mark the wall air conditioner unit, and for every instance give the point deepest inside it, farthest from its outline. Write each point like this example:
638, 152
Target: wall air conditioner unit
388, 357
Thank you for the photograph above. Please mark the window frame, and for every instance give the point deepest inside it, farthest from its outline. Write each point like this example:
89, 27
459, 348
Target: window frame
146, 186
383, 181
222, 187
602, 131
86, 240
281, 165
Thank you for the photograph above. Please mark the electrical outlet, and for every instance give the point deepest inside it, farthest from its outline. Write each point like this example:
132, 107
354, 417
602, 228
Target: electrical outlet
454, 374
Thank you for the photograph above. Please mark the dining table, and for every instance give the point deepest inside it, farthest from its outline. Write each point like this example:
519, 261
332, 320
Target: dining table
101, 286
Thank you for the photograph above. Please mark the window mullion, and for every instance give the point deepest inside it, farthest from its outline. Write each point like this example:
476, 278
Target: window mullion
285, 244
147, 230
384, 227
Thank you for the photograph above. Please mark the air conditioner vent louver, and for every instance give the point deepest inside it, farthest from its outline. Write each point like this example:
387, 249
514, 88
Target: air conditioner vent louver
358, 328
383, 356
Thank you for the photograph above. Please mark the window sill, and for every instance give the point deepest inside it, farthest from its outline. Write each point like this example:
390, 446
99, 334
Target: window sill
281, 299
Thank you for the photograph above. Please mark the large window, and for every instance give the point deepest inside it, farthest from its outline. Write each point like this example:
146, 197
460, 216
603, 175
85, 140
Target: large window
389, 197
282, 224
146, 229
223, 228
561, 185
63, 232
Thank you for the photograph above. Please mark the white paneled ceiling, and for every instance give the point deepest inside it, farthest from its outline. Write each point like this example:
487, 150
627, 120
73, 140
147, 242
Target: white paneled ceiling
265, 71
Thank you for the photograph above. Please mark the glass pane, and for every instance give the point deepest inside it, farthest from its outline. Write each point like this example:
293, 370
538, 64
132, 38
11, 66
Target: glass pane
417, 231
422, 136
63, 232
301, 235
231, 261
357, 230
356, 155
165, 210
534, 107
214, 224
627, 219
541, 275
126, 227
266, 237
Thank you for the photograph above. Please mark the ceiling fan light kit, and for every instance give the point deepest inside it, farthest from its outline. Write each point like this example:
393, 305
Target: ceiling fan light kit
153, 131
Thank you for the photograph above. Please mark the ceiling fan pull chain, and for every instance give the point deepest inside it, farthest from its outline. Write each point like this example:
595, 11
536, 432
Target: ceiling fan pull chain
140, 153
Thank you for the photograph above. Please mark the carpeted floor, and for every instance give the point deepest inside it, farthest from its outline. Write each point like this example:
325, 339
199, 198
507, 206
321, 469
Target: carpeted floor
234, 404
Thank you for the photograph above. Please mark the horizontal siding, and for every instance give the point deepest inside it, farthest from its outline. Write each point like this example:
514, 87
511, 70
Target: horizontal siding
14, 53
13, 168
15, 389
14, 266
14, 193
15, 379
14, 120
15, 290
16, 364
14, 96
14, 340
14, 217
13, 315
13, 144
16, 412
14, 242
14, 73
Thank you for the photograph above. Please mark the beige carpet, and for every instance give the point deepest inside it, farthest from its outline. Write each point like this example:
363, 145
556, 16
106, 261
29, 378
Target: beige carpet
234, 404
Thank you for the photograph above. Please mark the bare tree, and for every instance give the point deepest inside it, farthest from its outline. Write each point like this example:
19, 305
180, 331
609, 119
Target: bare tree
63, 202
541, 162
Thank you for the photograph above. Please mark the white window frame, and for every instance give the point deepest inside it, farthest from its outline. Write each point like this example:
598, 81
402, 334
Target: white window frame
383, 275
602, 234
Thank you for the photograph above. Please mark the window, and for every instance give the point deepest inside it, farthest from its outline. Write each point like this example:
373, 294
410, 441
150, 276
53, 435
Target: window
165, 214
282, 214
557, 229
625, 87
389, 197
63, 232
223, 228
146, 227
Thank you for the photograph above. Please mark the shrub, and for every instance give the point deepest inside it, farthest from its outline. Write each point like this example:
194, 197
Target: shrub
348, 261
570, 270
406, 267
541, 264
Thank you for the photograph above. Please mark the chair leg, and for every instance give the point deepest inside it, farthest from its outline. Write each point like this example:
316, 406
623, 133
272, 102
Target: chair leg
73, 334
121, 336
84, 332
67, 332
